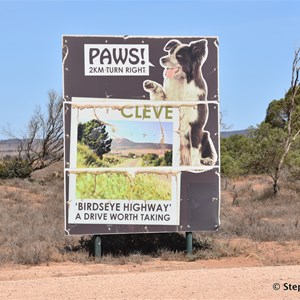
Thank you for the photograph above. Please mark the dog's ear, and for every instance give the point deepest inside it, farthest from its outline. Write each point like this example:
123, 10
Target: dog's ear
171, 44
199, 49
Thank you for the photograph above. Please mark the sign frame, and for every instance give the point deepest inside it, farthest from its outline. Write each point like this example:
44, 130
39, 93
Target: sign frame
198, 198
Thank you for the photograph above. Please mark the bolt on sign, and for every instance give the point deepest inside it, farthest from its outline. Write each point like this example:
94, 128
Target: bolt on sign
141, 134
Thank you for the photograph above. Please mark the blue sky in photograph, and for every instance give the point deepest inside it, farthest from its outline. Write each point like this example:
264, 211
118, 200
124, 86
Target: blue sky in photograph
257, 43
142, 131
138, 130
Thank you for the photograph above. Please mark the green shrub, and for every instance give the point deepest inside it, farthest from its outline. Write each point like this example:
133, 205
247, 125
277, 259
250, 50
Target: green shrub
15, 168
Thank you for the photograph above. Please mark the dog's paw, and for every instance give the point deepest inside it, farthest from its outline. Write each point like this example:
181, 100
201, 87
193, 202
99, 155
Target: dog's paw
155, 90
207, 161
149, 85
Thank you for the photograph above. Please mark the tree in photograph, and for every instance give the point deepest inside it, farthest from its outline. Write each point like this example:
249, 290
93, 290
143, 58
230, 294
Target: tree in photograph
80, 132
41, 144
94, 135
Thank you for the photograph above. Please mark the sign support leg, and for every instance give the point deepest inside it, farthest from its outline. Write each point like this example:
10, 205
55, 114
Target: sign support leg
97, 246
189, 242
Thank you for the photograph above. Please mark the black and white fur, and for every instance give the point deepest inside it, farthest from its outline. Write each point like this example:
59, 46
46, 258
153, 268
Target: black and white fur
183, 81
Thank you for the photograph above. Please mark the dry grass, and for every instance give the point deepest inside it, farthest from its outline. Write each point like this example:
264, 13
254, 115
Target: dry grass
32, 225
256, 214
32, 228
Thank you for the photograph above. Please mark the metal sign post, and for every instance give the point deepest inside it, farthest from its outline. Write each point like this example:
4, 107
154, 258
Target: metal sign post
189, 243
97, 246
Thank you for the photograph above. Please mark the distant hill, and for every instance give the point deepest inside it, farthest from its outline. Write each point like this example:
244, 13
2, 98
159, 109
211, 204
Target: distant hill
125, 144
8, 147
226, 134
122, 143
9, 142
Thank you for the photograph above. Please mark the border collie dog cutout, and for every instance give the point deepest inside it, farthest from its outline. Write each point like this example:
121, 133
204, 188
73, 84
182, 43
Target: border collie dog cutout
183, 81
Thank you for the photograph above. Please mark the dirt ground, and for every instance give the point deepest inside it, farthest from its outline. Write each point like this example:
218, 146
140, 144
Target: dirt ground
230, 278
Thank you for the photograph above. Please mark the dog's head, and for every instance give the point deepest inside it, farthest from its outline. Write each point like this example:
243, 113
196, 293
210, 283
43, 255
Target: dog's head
184, 60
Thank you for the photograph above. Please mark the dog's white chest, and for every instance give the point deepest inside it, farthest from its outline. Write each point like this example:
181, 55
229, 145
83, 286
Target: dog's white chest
181, 91
188, 115
177, 91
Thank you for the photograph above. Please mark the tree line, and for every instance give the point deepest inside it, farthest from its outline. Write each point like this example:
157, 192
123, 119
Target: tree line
273, 146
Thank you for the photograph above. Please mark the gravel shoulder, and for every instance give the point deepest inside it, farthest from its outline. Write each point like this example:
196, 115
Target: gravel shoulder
236, 278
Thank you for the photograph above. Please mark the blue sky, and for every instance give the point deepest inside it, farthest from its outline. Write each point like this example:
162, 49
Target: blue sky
257, 44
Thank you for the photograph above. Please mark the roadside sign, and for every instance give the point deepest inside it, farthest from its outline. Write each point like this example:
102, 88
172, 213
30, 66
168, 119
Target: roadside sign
141, 134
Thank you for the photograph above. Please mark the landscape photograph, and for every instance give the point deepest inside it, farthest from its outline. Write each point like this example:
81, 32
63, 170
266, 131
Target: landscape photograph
99, 147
